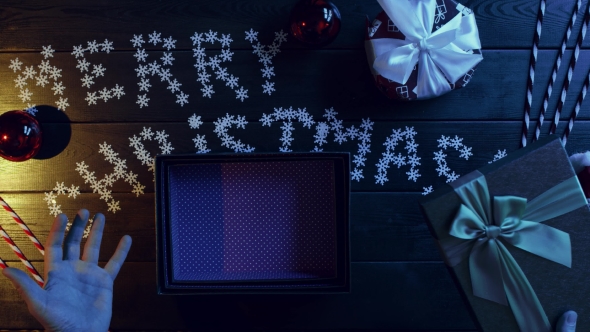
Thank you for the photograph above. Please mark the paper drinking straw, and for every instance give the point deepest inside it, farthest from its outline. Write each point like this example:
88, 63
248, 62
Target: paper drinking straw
579, 101
531, 77
556, 66
22, 225
3, 264
570, 71
22, 257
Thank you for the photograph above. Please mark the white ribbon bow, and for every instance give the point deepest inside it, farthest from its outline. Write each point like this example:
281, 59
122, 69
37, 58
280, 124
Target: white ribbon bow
443, 54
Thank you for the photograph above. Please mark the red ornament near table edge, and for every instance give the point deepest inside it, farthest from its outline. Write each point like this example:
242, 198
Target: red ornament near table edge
20, 136
315, 23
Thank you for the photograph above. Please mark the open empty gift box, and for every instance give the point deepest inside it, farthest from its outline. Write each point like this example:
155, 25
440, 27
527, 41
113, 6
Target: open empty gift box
253, 223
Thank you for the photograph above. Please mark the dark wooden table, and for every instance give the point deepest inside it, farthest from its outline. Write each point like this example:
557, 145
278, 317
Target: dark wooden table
398, 279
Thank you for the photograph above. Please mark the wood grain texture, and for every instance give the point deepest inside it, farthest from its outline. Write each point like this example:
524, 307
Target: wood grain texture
399, 281
502, 24
42, 175
315, 79
382, 298
383, 226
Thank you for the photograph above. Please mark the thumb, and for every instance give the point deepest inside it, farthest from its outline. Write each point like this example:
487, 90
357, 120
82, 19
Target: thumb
26, 287
567, 322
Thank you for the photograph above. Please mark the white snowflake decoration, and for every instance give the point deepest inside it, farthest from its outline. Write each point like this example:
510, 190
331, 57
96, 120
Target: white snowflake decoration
150, 69
241, 94
42, 78
268, 87
251, 36
214, 62
32, 109
47, 52
444, 143
143, 155
15, 64
195, 122
288, 115
137, 41
266, 54
154, 38
501, 154
25, 95
142, 100
101, 186
60, 189
341, 135
390, 158
427, 190
222, 126
97, 71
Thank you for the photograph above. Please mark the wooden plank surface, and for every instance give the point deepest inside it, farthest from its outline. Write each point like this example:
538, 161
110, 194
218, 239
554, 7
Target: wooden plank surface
374, 303
85, 140
383, 226
399, 280
305, 79
502, 24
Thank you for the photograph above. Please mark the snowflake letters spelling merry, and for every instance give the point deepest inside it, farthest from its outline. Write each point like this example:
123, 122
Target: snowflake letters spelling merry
45, 73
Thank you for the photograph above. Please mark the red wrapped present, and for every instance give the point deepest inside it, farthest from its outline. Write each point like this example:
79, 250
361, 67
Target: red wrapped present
422, 49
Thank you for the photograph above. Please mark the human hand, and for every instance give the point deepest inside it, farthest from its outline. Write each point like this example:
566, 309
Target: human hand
567, 322
78, 294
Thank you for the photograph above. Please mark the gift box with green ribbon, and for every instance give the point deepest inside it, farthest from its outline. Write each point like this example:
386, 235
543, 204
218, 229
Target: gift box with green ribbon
422, 49
515, 237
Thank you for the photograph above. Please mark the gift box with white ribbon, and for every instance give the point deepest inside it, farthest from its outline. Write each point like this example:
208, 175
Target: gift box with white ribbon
422, 49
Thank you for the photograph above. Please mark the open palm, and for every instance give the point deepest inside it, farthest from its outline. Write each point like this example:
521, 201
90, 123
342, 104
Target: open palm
78, 294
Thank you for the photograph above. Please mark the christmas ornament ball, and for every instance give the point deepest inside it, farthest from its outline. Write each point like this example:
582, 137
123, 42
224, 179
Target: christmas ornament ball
20, 136
315, 23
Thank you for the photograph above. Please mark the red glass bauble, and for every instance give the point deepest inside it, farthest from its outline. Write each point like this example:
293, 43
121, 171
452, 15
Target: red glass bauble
20, 136
315, 23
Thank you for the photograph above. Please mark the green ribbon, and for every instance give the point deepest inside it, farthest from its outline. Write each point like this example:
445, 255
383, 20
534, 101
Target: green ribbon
479, 225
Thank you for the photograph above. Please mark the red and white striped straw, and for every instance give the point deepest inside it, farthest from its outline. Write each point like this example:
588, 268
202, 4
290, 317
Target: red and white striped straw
556, 66
570, 71
579, 101
22, 257
22, 225
3, 264
531, 77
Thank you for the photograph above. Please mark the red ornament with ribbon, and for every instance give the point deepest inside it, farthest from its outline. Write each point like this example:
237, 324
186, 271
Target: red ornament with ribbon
422, 49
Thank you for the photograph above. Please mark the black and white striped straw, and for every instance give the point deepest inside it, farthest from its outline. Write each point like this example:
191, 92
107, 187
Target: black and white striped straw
574, 115
570, 70
531, 76
556, 66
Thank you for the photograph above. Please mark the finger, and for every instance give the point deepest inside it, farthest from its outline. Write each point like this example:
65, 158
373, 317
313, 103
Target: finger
567, 322
114, 264
72, 241
92, 246
53, 250
26, 287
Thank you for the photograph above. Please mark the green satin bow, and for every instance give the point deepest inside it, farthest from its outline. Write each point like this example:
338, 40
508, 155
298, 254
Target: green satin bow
478, 227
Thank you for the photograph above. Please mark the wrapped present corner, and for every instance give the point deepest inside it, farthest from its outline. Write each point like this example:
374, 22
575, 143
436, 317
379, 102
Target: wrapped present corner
515, 236
422, 49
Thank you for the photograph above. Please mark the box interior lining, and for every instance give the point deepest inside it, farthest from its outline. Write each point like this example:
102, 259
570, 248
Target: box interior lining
271, 220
